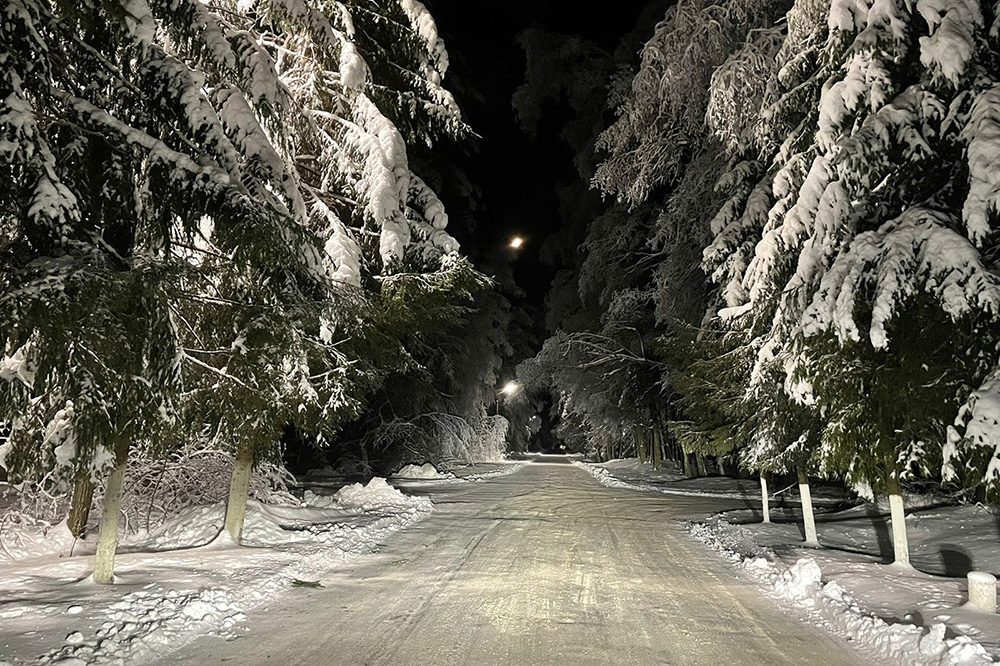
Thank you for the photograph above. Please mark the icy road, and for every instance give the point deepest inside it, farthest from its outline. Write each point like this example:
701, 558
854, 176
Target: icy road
544, 566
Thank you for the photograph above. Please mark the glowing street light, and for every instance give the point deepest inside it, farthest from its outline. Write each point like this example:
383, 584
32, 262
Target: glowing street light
516, 242
509, 389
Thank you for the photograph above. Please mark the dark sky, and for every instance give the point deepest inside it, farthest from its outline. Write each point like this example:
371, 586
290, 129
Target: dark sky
517, 174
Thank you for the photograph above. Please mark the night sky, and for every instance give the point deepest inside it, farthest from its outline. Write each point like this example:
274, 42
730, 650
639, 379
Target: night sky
517, 174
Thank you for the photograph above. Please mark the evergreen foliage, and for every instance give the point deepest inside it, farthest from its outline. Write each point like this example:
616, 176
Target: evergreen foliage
210, 228
832, 168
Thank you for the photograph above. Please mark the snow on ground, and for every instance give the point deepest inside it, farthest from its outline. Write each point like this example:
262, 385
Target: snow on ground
904, 615
423, 472
485, 472
829, 603
630, 473
186, 577
415, 475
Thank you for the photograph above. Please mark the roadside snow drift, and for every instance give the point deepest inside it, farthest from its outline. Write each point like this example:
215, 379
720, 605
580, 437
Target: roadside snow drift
830, 604
416, 474
187, 577
425, 471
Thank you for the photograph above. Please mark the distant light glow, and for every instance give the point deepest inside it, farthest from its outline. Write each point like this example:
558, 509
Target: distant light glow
516, 242
510, 388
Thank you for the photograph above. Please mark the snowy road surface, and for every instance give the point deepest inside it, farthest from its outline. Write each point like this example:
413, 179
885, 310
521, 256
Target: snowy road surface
545, 566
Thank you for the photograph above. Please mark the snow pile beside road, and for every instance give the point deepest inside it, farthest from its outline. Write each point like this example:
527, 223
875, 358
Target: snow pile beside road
211, 587
276, 524
606, 479
831, 605
425, 471
506, 470
633, 475
417, 474
378, 493
144, 622
609, 480
29, 539
192, 527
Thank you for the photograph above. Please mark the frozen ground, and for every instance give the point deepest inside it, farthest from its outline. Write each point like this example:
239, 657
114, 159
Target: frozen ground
542, 566
908, 616
184, 578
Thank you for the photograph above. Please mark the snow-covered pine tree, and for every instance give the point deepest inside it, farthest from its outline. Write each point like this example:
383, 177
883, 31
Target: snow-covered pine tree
661, 119
913, 233
865, 226
111, 144
328, 87
706, 62
154, 149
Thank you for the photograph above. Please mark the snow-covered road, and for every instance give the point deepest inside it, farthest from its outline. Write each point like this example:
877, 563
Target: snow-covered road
545, 566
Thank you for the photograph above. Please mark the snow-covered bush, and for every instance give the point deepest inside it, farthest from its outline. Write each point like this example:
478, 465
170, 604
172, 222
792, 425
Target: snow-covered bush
489, 439
28, 513
159, 487
442, 439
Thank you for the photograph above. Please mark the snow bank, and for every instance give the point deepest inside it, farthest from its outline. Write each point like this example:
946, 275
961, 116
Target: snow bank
22, 541
506, 470
829, 604
144, 622
608, 480
643, 477
194, 526
377, 493
425, 471
147, 624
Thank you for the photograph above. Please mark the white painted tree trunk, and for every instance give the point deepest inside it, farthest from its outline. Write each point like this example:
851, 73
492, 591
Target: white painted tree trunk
808, 520
900, 544
239, 487
107, 540
764, 500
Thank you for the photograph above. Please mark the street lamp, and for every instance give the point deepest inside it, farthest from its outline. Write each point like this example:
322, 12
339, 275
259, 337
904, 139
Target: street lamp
509, 389
516, 242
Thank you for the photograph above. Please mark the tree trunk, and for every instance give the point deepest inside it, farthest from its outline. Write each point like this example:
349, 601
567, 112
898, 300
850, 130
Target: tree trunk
764, 499
686, 461
702, 467
111, 508
900, 544
365, 462
640, 450
239, 488
657, 450
83, 498
808, 520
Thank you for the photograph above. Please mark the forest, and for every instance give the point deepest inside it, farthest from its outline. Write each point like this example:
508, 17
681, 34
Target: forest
225, 251
793, 269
